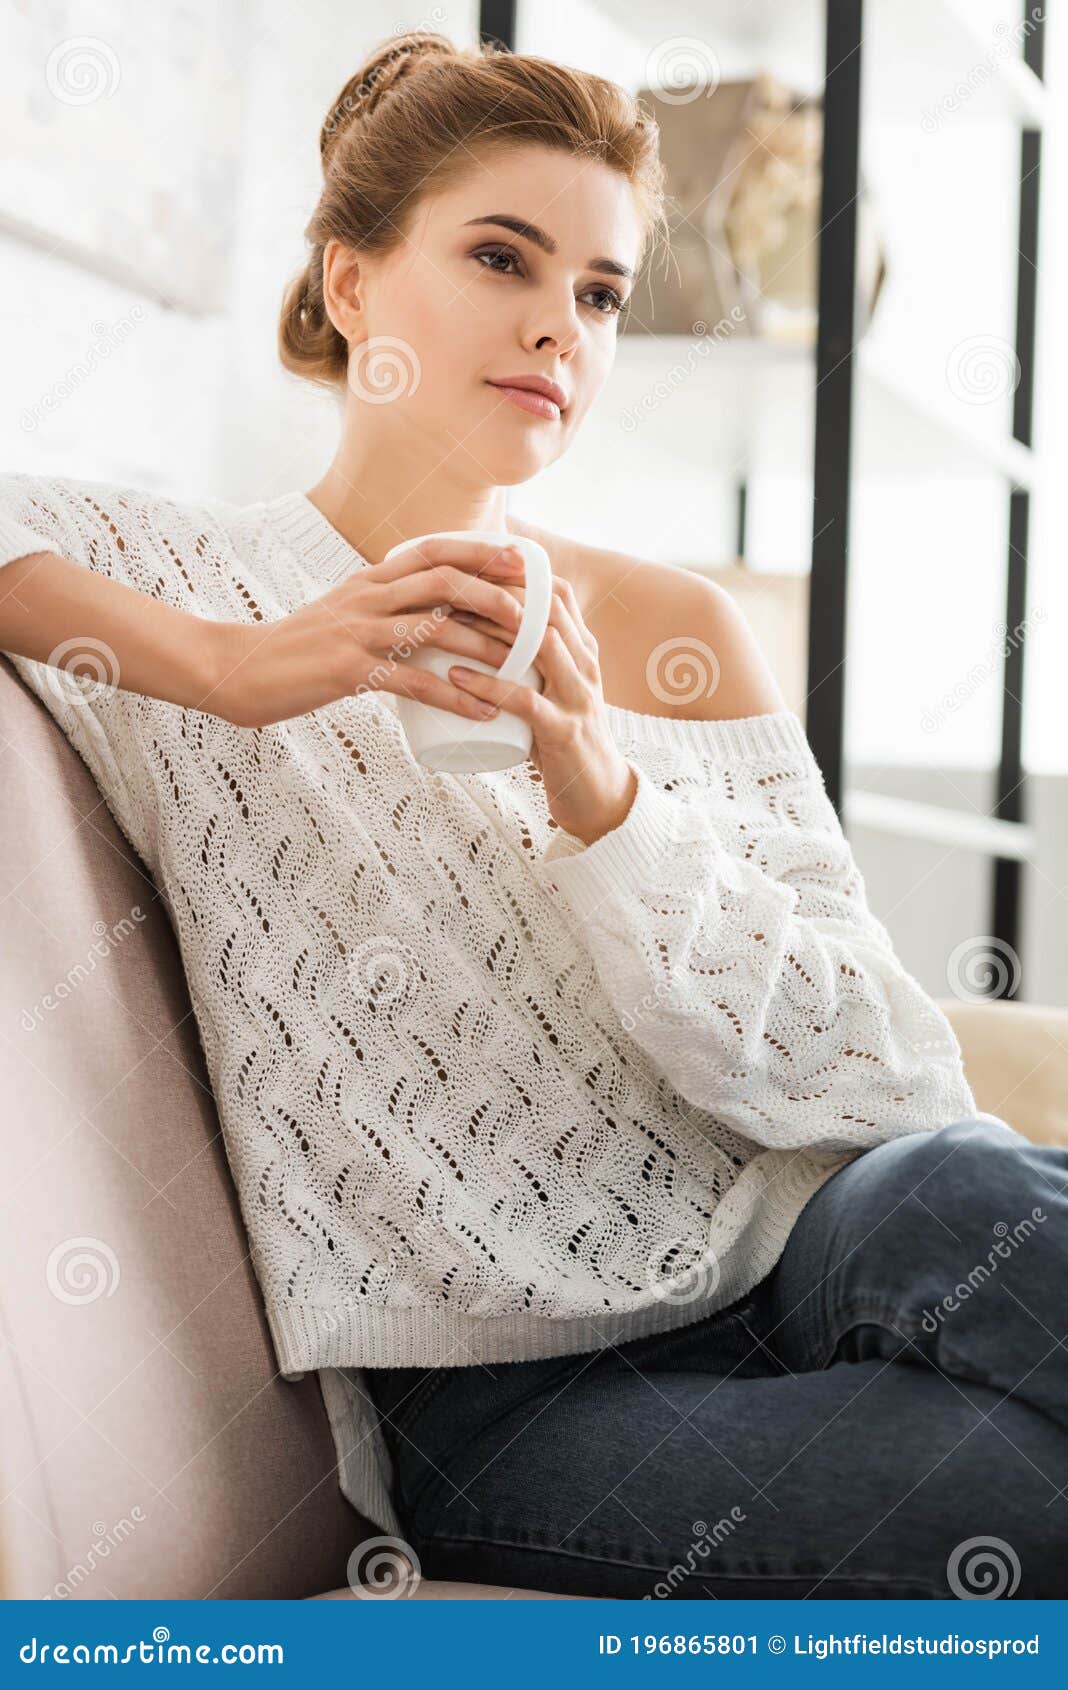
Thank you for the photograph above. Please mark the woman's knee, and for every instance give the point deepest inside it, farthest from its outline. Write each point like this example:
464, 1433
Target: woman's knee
932, 1200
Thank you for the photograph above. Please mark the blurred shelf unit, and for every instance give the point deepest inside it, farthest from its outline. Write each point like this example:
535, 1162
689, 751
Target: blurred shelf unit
751, 406
914, 50
743, 406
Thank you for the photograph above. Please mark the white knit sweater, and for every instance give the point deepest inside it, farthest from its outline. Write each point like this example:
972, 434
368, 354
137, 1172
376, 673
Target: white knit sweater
485, 1090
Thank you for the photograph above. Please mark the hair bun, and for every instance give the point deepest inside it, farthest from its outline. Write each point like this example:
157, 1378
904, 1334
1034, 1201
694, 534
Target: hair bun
381, 72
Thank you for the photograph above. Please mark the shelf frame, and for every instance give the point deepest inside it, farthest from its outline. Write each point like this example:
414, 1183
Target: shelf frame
835, 359
1004, 834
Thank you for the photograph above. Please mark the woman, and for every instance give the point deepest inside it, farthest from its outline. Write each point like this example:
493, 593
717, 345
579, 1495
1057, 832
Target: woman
584, 1121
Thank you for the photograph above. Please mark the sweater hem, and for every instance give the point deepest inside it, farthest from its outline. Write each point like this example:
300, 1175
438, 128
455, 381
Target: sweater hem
308, 1335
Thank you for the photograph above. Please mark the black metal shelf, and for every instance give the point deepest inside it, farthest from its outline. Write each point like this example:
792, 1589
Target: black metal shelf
835, 359
835, 371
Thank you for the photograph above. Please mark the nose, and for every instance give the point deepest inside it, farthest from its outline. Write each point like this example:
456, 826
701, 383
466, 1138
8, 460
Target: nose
556, 326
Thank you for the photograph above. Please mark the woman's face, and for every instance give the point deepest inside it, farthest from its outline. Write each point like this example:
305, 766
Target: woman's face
466, 302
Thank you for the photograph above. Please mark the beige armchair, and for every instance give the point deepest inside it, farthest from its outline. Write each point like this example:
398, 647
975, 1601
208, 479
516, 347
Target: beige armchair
147, 1446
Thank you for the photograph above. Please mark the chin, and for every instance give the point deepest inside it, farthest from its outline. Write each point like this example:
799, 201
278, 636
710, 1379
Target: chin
509, 469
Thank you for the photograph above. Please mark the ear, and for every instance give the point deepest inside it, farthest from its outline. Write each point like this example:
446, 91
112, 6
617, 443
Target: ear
342, 288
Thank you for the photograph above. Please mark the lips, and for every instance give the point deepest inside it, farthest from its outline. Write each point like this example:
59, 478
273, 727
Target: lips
543, 385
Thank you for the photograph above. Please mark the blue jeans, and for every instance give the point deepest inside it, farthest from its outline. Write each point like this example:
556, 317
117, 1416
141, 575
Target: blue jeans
885, 1415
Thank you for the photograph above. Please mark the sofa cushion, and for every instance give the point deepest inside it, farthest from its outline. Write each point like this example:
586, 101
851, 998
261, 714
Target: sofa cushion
148, 1447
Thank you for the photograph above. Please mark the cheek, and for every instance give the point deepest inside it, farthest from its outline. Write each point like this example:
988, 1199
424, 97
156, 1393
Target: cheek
589, 383
449, 333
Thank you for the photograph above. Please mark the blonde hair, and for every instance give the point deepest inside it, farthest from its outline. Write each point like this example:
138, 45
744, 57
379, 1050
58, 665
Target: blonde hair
406, 125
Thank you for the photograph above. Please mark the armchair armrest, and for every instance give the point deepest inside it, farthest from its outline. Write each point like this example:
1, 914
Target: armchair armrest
1016, 1061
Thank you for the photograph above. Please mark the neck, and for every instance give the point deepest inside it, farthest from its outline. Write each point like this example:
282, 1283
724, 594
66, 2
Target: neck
377, 494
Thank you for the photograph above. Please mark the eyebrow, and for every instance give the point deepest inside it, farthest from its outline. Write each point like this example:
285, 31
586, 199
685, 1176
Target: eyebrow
531, 232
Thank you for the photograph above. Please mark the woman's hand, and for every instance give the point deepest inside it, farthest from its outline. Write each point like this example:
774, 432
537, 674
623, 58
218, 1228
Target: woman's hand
356, 637
589, 785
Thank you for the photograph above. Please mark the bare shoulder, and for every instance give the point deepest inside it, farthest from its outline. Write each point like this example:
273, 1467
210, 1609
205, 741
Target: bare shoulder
671, 642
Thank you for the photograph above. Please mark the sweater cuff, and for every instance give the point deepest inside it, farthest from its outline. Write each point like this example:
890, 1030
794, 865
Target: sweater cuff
628, 858
16, 540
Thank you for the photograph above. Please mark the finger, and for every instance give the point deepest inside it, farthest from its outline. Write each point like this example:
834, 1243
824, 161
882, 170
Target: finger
574, 611
410, 681
482, 625
582, 667
446, 585
556, 661
454, 633
471, 555
563, 686
549, 659
577, 637
528, 705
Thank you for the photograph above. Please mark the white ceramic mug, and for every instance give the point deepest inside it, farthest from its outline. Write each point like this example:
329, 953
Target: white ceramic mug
445, 740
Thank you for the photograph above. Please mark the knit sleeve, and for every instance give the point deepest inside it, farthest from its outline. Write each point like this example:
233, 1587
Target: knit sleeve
140, 540
731, 930
111, 529
37, 514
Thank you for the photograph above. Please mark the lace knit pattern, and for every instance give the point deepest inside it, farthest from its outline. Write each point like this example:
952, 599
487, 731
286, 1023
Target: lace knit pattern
486, 1093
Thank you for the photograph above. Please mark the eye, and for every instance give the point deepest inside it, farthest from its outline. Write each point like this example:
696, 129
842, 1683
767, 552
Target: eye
614, 304
611, 295
495, 252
